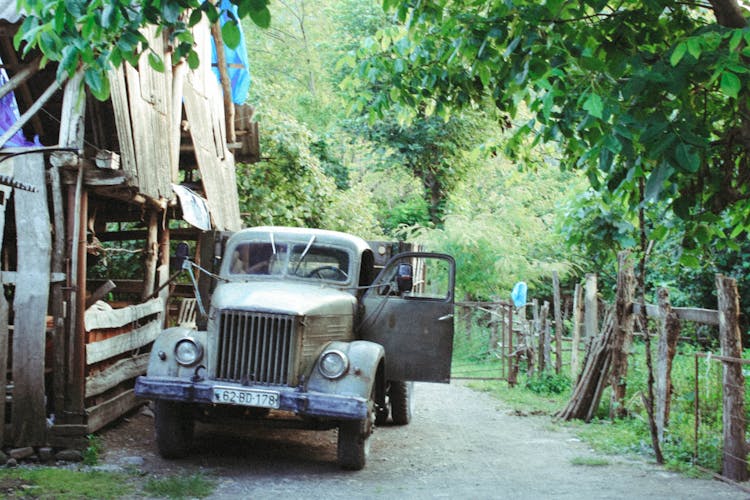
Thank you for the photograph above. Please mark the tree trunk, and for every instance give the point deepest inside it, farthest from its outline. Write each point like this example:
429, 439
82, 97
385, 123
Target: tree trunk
623, 332
558, 321
577, 325
735, 449
669, 333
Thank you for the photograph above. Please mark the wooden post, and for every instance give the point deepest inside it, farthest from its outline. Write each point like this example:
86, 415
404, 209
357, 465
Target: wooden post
558, 321
669, 332
72, 128
623, 332
5, 193
162, 270
735, 449
57, 306
495, 324
152, 254
28, 412
543, 338
577, 326
535, 332
466, 317
591, 310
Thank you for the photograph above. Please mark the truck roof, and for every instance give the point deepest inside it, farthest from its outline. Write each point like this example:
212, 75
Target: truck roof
321, 236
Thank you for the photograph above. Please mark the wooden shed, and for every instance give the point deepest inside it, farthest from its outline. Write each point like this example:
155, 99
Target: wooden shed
93, 198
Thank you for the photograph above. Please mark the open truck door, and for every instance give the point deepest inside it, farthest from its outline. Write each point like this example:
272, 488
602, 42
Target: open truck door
409, 311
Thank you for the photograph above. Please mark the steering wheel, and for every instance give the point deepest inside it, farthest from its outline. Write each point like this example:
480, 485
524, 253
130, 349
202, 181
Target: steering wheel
335, 269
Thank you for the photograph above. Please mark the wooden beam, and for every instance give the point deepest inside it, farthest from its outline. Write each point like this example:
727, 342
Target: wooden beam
105, 349
695, 314
226, 86
118, 318
21, 77
123, 370
100, 293
102, 414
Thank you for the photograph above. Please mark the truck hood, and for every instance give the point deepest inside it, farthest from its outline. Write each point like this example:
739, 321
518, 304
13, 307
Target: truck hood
283, 298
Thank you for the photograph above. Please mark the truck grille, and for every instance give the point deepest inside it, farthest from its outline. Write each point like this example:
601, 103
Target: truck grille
254, 347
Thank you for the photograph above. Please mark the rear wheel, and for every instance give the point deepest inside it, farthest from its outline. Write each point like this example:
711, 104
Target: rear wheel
402, 402
174, 428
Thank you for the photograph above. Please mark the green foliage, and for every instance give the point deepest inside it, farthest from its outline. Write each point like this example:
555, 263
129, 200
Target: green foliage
645, 97
63, 484
549, 383
288, 187
499, 229
96, 36
193, 486
92, 451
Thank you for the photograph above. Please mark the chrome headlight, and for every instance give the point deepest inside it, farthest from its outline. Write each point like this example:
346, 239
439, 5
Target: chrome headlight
333, 364
188, 352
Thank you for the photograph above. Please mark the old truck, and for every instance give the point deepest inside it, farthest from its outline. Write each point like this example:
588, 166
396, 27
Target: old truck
303, 329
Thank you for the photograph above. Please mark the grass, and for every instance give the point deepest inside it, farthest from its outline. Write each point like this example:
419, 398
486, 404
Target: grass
50, 482
590, 461
92, 451
194, 486
548, 394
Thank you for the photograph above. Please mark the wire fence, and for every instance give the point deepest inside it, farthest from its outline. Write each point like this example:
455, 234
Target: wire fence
720, 415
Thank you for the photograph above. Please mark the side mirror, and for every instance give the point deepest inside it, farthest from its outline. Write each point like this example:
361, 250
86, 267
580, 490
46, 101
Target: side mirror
404, 279
182, 252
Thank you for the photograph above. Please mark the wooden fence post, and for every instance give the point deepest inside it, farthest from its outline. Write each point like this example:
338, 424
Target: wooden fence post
558, 321
735, 449
577, 325
544, 341
591, 311
622, 332
495, 324
668, 335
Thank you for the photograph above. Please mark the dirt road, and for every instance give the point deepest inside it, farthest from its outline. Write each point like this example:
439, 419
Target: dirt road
461, 444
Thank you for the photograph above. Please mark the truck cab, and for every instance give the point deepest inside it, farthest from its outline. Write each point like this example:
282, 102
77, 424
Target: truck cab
300, 329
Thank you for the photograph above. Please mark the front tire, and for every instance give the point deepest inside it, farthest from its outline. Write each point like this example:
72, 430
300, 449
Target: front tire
354, 440
174, 428
402, 402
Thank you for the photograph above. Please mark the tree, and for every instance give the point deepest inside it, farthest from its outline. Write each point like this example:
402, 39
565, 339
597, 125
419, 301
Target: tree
94, 36
648, 97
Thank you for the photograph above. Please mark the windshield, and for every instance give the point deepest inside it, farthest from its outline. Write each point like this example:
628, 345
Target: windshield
283, 258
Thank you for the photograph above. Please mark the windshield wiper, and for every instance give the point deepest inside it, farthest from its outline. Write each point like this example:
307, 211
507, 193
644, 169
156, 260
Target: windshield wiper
304, 253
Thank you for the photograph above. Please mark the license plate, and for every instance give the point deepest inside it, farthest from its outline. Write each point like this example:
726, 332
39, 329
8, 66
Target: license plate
262, 399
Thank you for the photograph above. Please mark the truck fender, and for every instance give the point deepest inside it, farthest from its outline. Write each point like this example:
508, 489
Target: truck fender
162, 362
366, 368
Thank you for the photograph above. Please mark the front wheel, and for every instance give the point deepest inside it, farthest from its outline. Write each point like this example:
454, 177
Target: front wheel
174, 428
354, 440
402, 402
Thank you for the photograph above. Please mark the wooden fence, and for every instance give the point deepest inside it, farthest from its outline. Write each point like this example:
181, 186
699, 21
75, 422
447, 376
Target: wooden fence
534, 342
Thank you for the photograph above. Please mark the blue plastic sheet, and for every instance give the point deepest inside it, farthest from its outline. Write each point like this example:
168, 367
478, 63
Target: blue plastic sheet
9, 115
238, 67
519, 294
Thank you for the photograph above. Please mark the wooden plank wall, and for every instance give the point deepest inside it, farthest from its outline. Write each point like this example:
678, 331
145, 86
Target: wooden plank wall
115, 357
142, 101
31, 294
204, 107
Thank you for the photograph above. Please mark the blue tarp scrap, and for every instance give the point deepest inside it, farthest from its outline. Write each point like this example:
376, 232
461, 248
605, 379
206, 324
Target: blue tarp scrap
237, 65
519, 294
9, 115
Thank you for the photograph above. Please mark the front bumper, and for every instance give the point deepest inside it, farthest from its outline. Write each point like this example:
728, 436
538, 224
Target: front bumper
312, 404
